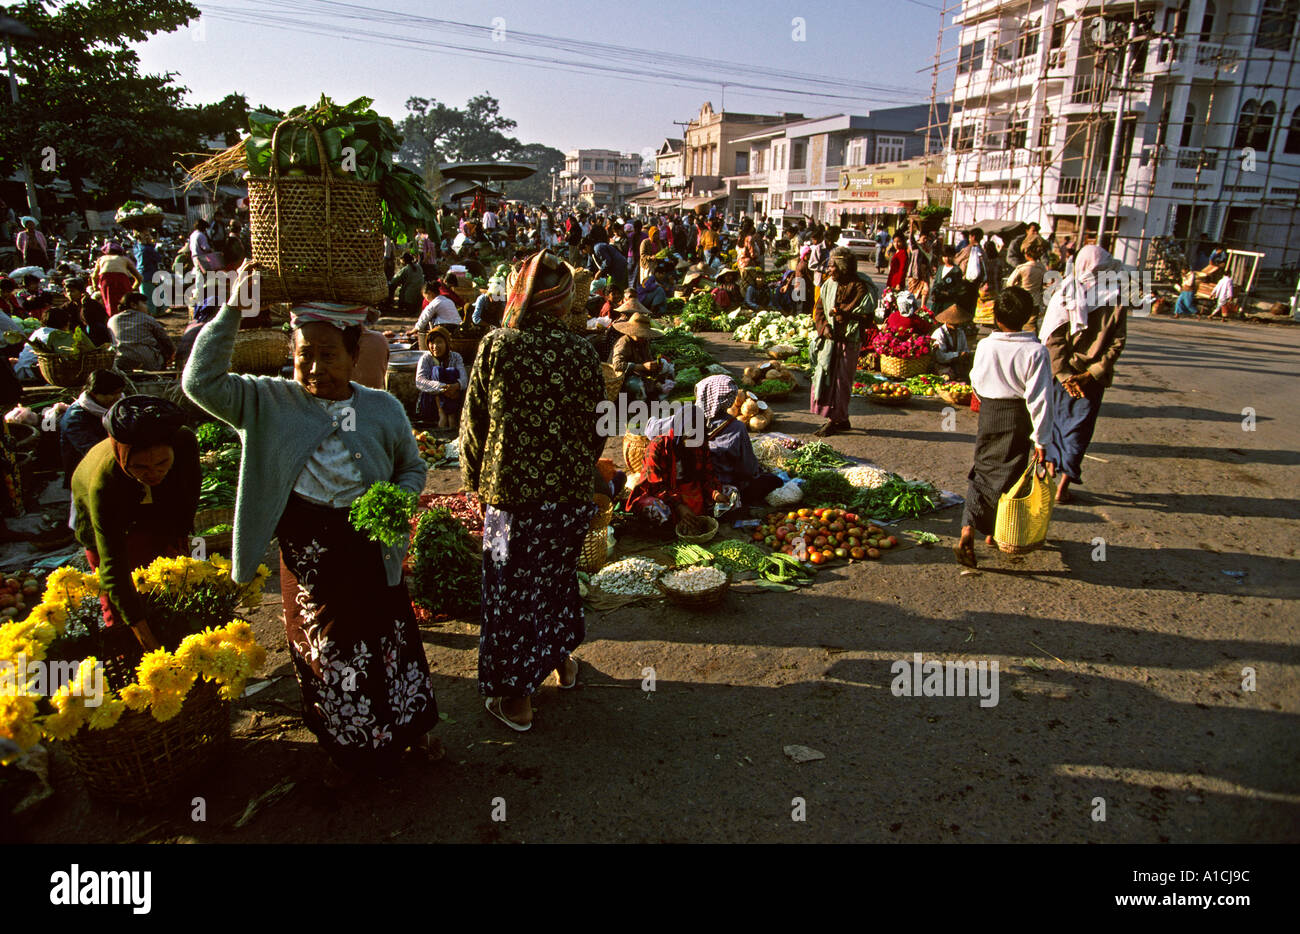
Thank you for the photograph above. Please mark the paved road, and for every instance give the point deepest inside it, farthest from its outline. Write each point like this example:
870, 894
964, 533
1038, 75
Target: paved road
1120, 679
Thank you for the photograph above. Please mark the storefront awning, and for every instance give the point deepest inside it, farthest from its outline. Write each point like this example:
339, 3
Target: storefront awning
692, 203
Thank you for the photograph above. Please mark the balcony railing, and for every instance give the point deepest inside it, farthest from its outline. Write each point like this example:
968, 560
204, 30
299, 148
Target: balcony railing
1086, 90
753, 178
1070, 189
1198, 158
1002, 159
797, 177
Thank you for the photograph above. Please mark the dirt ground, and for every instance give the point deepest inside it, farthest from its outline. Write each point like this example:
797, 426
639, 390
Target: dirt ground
1120, 679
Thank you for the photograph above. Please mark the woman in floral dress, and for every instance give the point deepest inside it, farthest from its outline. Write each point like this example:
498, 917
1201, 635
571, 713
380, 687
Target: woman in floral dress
312, 445
528, 447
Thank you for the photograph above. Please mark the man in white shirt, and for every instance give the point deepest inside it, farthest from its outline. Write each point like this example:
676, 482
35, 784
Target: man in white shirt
976, 270
1012, 376
438, 310
1222, 295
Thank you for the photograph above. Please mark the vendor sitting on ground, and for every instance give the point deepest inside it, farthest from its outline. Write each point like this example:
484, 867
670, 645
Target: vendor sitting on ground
651, 293
642, 373
439, 310
442, 379
758, 296
692, 282
141, 340
727, 292
408, 282
134, 495
730, 449
952, 352
26, 367
677, 484
82, 425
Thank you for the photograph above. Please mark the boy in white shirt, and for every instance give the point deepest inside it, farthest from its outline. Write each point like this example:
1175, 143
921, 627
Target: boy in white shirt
1223, 295
1012, 376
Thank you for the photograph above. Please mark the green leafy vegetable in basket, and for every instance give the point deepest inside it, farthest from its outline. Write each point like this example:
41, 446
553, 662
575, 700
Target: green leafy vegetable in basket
446, 564
384, 513
65, 343
214, 435
772, 387
219, 529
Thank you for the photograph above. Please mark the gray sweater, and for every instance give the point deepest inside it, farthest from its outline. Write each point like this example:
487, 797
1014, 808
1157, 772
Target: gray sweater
281, 426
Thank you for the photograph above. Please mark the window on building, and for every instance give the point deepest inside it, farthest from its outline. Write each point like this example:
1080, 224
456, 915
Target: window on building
890, 148
799, 155
1276, 24
1293, 134
1207, 21
1189, 125
1017, 131
971, 57
1027, 40
1255, 126
586, 165
963, 137
1045, 131
742, 163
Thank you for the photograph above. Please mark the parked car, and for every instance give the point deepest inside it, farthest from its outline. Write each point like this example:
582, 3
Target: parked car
859, 243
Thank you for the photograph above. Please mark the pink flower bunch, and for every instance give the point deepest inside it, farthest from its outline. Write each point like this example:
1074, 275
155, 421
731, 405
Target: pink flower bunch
906, 347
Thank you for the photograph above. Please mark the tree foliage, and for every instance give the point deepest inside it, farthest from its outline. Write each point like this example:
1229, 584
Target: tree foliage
85, 103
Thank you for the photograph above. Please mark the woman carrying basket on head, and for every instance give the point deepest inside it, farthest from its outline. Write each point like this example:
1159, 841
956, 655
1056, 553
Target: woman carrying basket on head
311, 446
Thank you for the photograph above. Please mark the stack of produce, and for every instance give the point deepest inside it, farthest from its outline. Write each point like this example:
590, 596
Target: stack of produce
432, 451
769, 328
464, 506
631, 577
219, 454
137, 215
812, 457
768, 379
445, 564
701, 313
19, 593
825, 535
753, 411
896, 499
682, 347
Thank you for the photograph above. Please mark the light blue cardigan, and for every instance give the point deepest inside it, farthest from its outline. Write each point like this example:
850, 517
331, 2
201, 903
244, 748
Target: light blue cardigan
281, 425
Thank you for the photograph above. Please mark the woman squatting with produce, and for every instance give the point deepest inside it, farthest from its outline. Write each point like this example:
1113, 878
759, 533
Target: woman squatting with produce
311, 446
730, 449
678, 482
134, 496
845, 309
528, 447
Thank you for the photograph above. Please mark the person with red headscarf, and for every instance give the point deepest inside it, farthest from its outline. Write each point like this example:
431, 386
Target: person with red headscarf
529, 442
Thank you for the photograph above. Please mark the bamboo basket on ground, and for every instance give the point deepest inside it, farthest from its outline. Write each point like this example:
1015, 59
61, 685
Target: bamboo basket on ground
953, 398
634, 448
221, 542
70, 371
595, 549
260, 350
904, 367
693, 600
613, 381
316, 238
467, 292
139, 760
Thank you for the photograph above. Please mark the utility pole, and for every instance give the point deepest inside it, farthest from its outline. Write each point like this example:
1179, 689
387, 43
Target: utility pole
32, 206
1117, 132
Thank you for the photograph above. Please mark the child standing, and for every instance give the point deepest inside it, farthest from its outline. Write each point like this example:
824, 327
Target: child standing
1185, 307
1224, 306
1012, 376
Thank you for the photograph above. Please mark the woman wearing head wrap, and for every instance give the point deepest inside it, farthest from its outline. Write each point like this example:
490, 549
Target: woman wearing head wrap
441, 378
1084, 329
311, 446
678, 483
134, 496
730, 449
114, 276
528, 446
845, 309
82, 426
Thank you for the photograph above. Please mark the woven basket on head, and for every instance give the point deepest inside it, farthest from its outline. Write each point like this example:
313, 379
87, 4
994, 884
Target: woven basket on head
634, 448
70, 371
904, 367
261, 350
316, 238
139, 760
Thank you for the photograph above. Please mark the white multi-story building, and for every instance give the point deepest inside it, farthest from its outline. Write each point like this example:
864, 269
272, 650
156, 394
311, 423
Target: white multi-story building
1208, 98
598, 178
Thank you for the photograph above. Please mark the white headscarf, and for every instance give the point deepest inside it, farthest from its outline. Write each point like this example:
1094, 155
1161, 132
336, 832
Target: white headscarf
1073, 299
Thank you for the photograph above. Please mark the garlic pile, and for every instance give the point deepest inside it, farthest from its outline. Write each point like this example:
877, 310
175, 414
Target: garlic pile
866, 478
631, 577
695, 579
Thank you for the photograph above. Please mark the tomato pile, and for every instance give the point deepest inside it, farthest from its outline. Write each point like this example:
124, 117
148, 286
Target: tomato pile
827, 534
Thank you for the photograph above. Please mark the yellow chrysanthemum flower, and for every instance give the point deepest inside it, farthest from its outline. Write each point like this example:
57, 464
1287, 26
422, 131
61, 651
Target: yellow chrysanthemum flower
166, 706
135, 697
64, 723
107, 713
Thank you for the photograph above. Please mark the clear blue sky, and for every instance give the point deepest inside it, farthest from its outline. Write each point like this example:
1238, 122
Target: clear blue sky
877, 42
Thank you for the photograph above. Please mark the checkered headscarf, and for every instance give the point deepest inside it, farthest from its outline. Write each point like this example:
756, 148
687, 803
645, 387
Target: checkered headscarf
715, 395
525, 301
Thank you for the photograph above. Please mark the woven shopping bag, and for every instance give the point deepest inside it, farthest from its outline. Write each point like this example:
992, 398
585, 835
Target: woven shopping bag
1024, 512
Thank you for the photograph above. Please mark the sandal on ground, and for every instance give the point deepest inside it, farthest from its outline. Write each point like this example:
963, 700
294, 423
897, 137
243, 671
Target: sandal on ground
826, 430
965, 556
559, 672
493, 706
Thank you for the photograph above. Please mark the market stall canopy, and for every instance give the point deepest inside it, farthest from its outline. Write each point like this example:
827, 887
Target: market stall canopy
487, 171
460, 189
1000, 227
692, 203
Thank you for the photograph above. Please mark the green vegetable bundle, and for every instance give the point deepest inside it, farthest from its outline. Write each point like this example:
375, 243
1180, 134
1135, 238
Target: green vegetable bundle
897, 499
812, 457
687, 377
220, 481
212, 436
685, 554
734, 555
446, 565
383, 513
772, 387
827, 488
